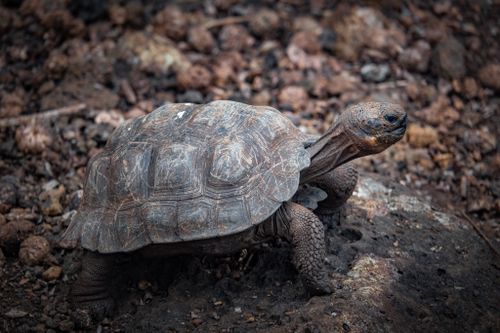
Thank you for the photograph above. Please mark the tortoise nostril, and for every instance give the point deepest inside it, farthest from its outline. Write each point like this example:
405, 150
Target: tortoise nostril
391, 118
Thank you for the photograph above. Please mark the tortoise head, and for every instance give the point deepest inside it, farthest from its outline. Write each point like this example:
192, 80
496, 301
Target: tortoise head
363, 129
374, 126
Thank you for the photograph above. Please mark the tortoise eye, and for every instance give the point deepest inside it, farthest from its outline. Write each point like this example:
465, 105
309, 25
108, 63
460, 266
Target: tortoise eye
391, 118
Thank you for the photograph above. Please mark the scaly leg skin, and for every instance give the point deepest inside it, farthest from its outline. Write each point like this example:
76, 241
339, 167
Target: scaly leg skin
91, 292
339, 185
307, 235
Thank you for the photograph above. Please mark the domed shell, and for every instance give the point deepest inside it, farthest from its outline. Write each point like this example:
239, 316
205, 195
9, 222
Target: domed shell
188, 172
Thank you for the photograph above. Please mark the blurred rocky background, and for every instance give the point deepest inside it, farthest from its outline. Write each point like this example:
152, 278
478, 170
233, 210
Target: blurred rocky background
71, 71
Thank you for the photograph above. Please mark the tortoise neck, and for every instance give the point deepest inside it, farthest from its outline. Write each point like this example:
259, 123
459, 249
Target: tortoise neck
331, 150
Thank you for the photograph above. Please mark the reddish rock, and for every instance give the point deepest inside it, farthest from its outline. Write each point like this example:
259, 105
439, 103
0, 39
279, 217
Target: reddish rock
51, 201
366, 27
13, 103
421, 136
34, 250
52, 273
56, 63
293, 96
235, 37
196, 77
13, 233
171, 22
264, 22
470, 87
201, 39
416, 57
307, 24
307, 41
440, 112
112, 117
344, 82
33, 139
117, 14
226, 67
448, 58
489, 75
261, 98
154, 53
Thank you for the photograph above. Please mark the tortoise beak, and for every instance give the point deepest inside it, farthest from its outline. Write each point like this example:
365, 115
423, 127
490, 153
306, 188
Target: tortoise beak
399, 128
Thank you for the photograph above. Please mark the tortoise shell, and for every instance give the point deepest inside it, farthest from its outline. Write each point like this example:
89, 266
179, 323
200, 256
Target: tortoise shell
188, 172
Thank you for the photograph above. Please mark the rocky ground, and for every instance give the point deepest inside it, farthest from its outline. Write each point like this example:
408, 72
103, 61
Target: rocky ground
93, 64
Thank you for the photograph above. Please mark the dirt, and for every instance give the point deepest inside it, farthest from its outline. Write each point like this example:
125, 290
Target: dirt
406, 258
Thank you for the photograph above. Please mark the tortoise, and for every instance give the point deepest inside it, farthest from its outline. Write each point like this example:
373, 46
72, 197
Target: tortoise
214, 179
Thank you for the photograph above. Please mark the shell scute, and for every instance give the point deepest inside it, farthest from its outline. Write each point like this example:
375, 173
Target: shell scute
175, 170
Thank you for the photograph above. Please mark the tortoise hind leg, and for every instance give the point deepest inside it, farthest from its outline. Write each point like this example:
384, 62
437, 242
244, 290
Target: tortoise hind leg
307, 235
91, 292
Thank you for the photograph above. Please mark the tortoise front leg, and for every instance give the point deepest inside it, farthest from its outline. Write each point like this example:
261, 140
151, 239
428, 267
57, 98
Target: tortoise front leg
339, 185
307, 235
91, 292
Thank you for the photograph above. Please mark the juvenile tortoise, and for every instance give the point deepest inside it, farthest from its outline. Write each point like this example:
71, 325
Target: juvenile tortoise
213, 179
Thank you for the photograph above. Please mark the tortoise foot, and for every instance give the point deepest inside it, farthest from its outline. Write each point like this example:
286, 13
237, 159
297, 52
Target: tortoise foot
318, 288
332, 218
88, 313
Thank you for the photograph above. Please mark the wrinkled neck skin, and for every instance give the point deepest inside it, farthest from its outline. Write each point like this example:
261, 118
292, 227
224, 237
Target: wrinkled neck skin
333, 149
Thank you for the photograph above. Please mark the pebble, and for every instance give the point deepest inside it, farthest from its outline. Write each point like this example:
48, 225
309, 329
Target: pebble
8, 193
342, 83
293, 96
50, 201
489, 75
416, 57
264, 22
307, 41
470, 87
50, 185
144, 284
34, 250
52, 273
190, 96
156, 55
235, 37
197, 321
171, 22
66, 325
12, 104
111, 117
33, 139
261, 98
375, 73
12, 233
448, 58
249, 317
196, 77
15, 313
117, 14
421, 136
201, 39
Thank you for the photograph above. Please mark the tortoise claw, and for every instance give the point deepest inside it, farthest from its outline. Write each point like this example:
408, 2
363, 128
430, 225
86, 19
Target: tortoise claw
88, 313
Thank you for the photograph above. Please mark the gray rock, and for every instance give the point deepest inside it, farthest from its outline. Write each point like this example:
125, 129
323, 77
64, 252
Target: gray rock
448, 58
375, 73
